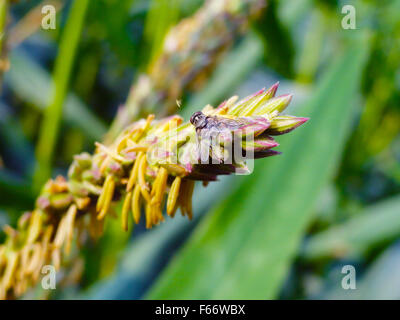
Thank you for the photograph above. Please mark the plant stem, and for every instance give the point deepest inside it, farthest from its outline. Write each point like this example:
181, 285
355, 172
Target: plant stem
62, 73
3, 22
3, 17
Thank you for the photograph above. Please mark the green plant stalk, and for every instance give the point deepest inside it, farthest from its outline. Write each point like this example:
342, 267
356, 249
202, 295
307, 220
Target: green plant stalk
3, 18
31, 83
62, 73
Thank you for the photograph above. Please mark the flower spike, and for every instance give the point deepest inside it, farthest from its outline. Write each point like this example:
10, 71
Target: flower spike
152, 165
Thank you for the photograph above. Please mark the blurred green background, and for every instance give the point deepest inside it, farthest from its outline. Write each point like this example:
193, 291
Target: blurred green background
286, 231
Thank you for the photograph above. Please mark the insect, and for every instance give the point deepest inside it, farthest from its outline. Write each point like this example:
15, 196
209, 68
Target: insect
213, 131
223, 129
213, 124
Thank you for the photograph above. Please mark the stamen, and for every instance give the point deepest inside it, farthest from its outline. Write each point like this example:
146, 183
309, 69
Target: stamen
142, 180
105, 164
23, 260
100, 201
12, 261
136, 148
155, 186
162, 185
35, 226
122, 143
46, 242
173, 196
136, 204
154, 214
107, 198
109, 152
69, 228
125, 210
56, 258
173, 123
134, 173
35, 259
60, 234
140, 132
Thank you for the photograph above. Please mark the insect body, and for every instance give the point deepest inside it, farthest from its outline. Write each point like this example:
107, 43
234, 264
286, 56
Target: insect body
215, 136
223, 129
213, 123
220, 135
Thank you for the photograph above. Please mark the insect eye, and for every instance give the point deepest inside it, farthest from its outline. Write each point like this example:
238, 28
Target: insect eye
195, 117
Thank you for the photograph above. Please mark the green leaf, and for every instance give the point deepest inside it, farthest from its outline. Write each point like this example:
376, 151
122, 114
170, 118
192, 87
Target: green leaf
32, 83
3, 18
243, 249
376, 224
50, 126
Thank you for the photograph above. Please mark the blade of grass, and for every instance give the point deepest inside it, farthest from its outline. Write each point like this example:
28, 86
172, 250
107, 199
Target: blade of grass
32, 83
62, 73
243, 249
377, 223
3, 18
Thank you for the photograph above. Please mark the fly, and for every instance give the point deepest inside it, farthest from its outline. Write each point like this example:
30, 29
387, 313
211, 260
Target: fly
213, 124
